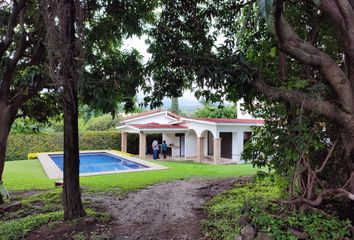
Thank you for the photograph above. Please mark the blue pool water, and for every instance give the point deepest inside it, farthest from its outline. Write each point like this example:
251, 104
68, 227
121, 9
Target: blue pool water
98, 162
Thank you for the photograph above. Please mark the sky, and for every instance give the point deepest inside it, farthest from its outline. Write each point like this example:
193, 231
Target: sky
187, 100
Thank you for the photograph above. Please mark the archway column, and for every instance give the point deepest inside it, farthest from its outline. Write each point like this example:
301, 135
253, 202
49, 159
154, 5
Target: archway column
200, 149
217, 150
124, 142
142, 145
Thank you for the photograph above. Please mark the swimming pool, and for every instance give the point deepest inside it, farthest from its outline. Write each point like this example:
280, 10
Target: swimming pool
96, 163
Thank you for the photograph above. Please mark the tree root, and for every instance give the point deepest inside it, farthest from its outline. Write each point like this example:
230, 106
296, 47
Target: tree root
336, 192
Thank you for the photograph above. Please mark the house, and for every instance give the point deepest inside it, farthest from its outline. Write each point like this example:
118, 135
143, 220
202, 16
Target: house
219, 140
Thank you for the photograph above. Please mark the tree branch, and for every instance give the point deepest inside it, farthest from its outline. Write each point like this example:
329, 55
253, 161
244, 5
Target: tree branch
337, 192
306, 53
12, 22
318, 170
319, 106
341, 13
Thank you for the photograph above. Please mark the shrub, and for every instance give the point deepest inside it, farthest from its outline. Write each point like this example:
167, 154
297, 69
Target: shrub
32, 156
19, 145
255, 201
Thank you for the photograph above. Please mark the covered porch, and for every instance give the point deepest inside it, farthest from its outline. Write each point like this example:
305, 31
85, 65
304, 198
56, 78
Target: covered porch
183, 143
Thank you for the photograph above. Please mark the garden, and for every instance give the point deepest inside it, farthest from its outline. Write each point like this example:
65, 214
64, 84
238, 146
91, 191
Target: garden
71, 70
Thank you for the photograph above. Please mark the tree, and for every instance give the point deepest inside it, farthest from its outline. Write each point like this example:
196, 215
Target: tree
64, 21
22, 75
208, 111
113, 75
184, 55
174, 105
110, 75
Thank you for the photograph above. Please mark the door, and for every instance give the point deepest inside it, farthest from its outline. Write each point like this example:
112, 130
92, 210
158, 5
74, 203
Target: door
210, 144
182, 145
226, 144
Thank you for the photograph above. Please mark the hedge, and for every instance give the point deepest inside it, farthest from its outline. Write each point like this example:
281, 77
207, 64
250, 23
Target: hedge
19, 145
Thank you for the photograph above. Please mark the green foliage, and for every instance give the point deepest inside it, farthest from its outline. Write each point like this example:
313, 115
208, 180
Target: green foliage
277, 221
19, 145
113, 74
303, 134
225, 209
216, 112
25, 125
101, 123
113, 78
18, 228
254, 200
15, 225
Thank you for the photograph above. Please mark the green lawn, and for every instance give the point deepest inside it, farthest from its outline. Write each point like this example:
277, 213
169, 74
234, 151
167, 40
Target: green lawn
28, 174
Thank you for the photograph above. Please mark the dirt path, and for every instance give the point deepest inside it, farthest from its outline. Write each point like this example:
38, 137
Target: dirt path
165, 211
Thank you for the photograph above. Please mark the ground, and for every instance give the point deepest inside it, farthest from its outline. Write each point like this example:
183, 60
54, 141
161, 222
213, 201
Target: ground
170, 210
165, 211
170, 206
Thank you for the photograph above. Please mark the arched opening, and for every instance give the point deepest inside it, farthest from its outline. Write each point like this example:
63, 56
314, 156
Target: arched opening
208, 143
191, 144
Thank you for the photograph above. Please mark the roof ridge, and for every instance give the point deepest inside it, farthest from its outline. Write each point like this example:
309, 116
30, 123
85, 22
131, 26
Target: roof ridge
143, 114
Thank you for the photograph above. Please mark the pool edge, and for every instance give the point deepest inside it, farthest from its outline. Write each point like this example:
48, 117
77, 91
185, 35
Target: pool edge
53, 171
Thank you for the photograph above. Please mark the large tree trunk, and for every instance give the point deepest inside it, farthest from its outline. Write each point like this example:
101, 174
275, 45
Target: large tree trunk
6, 120
72, 197
3, 142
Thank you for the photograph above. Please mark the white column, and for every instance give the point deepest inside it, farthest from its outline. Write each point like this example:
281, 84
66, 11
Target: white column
217, 150
124, 141
142, 145
200, 149
237, 146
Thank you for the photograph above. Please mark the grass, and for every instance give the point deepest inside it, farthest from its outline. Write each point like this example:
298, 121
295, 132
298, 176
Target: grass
16, 225
29, 175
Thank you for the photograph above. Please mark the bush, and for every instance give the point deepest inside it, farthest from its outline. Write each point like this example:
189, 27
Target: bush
32, 156
19, 145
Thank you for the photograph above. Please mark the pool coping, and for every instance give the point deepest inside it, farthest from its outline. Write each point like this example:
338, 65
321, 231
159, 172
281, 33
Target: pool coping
54, 172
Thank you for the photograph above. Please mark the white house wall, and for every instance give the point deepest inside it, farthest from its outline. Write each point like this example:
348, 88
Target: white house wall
170, 138
237, 139
191, 144
200, 127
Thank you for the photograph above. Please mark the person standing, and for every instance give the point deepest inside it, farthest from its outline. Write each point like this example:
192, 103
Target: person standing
164, 149
155, 149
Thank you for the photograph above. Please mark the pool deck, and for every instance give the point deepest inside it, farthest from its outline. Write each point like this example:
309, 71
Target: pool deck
54, 172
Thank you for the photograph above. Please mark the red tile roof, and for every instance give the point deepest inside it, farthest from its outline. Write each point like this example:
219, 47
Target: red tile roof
142, 114
157, 126
230, 120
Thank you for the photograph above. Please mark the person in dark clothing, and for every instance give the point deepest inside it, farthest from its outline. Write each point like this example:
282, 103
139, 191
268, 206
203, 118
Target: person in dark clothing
164, 149
155, 149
